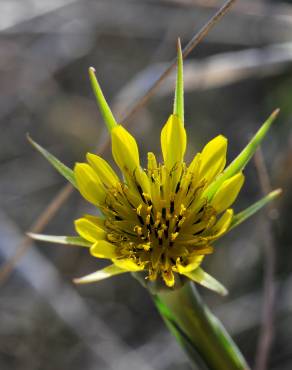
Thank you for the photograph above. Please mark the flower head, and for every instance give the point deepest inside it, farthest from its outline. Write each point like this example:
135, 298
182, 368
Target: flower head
165, 218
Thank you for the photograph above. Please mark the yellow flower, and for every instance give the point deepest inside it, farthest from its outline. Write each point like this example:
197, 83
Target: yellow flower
165, 218
158, 220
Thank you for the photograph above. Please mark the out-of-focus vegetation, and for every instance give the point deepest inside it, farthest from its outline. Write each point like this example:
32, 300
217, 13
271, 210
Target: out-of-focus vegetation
234, 80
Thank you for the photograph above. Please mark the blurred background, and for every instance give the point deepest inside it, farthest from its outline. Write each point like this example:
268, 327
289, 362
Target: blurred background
234, 79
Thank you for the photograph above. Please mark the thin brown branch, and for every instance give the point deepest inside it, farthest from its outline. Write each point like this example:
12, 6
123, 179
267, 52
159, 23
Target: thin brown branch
196, 39
44, 218
268, 308
67, 190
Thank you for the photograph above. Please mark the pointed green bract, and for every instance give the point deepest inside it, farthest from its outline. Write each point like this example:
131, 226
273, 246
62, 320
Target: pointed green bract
105, 273
201, 277
67, 240
178, 107
243, 158
59, 166
248, 212
102, 103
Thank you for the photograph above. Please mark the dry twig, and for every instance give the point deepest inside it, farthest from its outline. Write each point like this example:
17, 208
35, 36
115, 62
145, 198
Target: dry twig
268, 308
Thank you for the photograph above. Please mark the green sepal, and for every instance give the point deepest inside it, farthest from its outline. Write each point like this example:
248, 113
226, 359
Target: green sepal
203, 278
59, 166
251, 210
102, 274
178, 106
105, 110
67, 240
243, 158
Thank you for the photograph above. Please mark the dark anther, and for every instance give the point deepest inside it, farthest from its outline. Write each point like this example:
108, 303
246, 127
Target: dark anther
140, 219
172, 260
149, 228
156, 233
171, 243
189, 188
118, 218
176, 229
151, 220
167, 223
198, 232
166, 233
159, 241
177, 187
163, 212
141, 192
171, 206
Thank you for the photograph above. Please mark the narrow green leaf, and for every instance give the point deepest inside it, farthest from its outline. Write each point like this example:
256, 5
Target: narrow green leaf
243, 158
251, 210
67, 240
178, 107
201, 277
103, 105
105, 273
59, 166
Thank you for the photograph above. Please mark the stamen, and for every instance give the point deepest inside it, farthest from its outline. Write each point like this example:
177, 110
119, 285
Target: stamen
173, 236
145, 226
147, 220
139, 209
171, 206
163, 212
138, 230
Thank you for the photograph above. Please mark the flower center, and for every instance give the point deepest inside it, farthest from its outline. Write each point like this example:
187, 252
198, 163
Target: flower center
159, 219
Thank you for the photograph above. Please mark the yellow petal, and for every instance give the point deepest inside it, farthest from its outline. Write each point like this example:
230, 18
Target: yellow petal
105, 273
89, 184
128, 264
88, 230
213, 158
152, 162
227, 192
168, 278
103, 249
102, 169
96, 220
125, 149
173, 141
194, 263
195, 164
222, 226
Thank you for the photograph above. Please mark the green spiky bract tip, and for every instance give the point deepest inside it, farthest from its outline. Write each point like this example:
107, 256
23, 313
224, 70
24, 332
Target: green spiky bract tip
105, 110
178, 106
55, 162
254, 208
243, 158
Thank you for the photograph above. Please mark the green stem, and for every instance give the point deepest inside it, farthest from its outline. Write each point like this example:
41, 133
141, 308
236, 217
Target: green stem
199, 332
